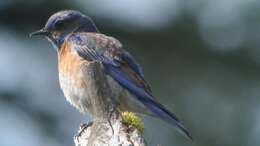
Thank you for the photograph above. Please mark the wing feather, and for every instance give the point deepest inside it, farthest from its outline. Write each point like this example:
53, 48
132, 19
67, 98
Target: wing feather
90, 47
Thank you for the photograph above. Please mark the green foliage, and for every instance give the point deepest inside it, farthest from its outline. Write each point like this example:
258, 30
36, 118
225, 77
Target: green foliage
131, 119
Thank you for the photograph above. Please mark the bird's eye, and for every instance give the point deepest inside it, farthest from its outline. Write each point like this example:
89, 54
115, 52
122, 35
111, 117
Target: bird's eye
59, 24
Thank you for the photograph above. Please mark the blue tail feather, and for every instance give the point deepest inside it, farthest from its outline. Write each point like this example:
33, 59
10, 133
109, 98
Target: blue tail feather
156, 108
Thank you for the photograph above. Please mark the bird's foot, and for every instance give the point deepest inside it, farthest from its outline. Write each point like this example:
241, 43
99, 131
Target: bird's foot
82, 128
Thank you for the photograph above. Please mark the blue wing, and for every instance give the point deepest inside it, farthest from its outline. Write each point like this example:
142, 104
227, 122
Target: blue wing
122, 67
129, 59
87, 46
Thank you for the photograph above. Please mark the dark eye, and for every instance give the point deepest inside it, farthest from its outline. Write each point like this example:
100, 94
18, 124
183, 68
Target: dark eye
60, 24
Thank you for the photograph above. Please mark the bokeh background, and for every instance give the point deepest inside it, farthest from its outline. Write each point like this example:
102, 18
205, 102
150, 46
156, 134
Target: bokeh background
202, 59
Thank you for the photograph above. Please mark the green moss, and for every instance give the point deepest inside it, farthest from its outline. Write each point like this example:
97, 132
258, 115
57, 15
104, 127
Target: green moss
131, 119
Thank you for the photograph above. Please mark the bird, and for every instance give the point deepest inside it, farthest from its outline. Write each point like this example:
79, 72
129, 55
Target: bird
78, 41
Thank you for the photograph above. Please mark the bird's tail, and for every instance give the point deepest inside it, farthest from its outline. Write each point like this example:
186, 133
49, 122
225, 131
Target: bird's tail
160, 111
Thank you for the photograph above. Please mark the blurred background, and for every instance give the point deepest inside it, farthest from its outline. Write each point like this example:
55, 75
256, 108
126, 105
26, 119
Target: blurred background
202, 59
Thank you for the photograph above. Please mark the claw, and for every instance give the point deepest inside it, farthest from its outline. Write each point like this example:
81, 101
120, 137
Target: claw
82, 128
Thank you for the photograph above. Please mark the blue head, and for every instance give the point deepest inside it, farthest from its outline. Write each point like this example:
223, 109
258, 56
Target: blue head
63, 23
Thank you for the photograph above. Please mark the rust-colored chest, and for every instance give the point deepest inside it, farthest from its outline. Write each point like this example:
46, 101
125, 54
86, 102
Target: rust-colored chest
71, 76
70, 67
68, 62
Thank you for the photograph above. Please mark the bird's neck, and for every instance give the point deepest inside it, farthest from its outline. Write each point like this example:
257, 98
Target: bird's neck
56, 41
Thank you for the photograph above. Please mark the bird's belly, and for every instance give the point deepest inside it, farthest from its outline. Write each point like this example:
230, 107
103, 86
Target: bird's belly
75, 92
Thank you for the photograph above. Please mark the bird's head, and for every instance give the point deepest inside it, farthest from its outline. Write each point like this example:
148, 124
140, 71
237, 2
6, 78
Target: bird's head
62, 23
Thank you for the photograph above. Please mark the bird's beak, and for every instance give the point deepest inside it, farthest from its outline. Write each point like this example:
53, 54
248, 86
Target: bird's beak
40, 32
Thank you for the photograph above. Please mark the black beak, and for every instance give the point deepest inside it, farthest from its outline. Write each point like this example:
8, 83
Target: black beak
40, 32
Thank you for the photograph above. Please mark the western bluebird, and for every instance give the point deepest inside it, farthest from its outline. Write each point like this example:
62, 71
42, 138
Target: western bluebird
78, 41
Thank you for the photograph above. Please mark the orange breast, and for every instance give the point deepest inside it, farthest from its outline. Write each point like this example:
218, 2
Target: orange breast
71, 77
68, 62
70, 66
